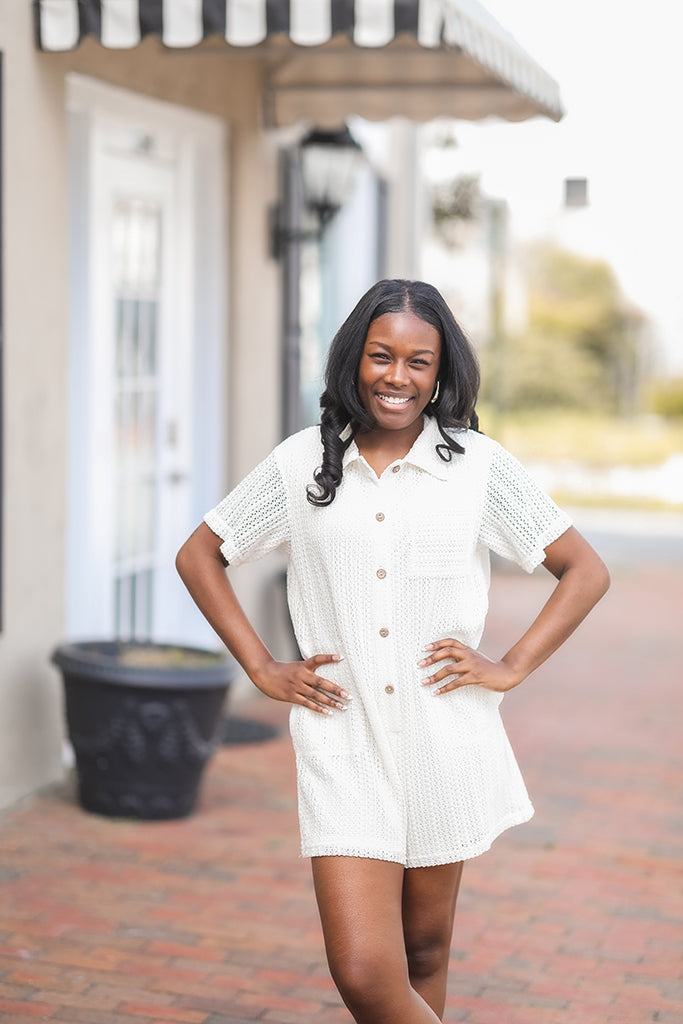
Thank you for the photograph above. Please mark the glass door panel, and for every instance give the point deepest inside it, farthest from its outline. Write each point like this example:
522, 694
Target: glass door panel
137, 238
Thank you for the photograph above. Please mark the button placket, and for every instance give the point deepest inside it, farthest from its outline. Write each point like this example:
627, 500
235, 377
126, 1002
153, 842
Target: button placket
383, 623
381, 588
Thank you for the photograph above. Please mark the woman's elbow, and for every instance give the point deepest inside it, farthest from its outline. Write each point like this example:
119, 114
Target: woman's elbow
596, 579
572, 556
603, 580
188, 555
201, 550
182, 560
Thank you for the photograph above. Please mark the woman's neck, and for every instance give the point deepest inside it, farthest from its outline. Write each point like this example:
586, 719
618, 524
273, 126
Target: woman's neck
380, 448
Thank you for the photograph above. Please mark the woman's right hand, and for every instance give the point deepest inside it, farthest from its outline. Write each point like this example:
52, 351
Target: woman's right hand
202, 568
296, 682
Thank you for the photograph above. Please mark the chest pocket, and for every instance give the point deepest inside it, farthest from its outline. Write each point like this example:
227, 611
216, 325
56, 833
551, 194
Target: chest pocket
441, 543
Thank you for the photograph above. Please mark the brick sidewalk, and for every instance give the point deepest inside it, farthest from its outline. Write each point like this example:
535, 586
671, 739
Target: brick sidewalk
575, 917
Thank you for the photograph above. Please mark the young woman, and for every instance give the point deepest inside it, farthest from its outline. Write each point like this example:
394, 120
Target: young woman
387, 512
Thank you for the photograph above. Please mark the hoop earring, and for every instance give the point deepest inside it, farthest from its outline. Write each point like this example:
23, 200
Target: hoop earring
436, 394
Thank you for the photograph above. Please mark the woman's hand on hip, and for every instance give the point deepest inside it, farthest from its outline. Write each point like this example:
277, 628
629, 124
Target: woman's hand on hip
297, 682
457, 665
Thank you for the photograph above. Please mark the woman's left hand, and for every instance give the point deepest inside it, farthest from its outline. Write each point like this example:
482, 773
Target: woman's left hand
465, 667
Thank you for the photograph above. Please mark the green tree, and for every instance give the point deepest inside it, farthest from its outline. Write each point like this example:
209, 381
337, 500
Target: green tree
581, 347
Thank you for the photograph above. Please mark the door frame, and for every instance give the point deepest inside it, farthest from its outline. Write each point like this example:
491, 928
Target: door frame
99, 115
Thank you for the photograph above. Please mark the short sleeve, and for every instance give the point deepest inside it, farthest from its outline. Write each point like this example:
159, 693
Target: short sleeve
253, 519
519, 520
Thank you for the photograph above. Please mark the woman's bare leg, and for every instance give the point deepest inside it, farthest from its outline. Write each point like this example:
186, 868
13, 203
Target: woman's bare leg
361, 909
429, 898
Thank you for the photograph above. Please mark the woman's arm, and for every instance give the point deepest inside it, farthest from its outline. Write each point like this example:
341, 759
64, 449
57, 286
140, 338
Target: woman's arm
582, 579
201, 567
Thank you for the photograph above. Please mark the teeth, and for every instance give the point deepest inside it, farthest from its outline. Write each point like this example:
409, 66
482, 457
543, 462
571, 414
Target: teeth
393, 399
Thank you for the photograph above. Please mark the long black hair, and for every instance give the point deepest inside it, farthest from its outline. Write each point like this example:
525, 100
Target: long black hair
458, 377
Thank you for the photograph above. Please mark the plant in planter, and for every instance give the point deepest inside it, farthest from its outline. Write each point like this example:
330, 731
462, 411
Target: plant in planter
143, 720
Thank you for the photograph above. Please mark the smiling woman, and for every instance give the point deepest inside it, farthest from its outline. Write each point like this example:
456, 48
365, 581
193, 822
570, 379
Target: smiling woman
403, 765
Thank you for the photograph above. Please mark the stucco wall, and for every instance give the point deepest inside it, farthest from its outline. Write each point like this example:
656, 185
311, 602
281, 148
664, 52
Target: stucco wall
36, 343
35, 286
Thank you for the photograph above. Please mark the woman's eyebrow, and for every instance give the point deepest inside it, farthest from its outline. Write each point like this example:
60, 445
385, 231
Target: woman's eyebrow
417, 352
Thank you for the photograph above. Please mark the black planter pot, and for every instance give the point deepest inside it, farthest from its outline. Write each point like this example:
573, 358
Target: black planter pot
143, 720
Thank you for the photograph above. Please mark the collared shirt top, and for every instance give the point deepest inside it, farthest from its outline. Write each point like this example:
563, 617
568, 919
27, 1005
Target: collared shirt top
392, 564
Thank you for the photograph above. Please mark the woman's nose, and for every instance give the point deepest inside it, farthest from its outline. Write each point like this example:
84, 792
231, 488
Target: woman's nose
397, 373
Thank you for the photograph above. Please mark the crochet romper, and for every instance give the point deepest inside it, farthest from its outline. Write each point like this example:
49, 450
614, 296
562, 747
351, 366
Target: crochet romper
392, 564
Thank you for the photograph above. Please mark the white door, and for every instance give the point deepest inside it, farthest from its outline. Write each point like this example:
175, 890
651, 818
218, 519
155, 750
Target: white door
137, 402
150, 390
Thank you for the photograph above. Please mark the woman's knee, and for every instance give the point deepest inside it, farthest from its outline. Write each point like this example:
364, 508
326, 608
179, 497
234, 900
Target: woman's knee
364, 978
429, 898
428, 957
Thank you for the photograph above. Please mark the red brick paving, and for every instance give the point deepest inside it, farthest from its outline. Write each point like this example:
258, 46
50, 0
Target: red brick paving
575, 917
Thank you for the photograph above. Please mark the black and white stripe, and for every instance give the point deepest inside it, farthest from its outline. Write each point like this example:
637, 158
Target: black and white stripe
120, 24
462, 27
62, 24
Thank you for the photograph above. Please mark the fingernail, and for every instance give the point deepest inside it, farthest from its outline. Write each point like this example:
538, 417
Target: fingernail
427, 681
345, 695
338, 657
435, 693
421, 664
429, 647
327, 711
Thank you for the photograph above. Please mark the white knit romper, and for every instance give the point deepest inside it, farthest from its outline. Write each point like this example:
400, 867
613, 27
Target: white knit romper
391, 565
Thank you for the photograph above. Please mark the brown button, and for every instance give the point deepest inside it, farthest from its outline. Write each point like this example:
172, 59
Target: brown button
396, 469
380, 517
388, 689
381, 573
384, 632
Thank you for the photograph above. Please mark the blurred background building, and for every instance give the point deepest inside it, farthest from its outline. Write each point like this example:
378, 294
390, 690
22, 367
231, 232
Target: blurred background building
177, 252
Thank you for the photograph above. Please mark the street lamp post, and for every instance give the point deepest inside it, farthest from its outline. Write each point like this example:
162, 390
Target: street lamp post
316, 179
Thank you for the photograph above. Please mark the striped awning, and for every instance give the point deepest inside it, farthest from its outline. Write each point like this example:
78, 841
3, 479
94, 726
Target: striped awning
327, 59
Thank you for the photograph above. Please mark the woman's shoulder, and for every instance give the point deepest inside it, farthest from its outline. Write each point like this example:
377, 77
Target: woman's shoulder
490, 453
478, 442
298, 450
476, 446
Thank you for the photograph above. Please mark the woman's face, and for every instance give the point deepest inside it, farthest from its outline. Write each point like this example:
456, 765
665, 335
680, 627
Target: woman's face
398, 369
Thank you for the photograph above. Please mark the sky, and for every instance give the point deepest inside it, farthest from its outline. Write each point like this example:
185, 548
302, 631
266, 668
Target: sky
619, 70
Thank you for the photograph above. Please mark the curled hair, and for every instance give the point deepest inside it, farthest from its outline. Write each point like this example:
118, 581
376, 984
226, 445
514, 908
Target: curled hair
340, 402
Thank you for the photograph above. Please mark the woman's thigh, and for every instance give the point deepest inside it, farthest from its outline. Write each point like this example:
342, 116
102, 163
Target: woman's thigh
360, 903
386, 943
379, 904
428, 906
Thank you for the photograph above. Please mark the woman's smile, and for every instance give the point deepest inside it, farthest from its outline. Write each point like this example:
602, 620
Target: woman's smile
394, 399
